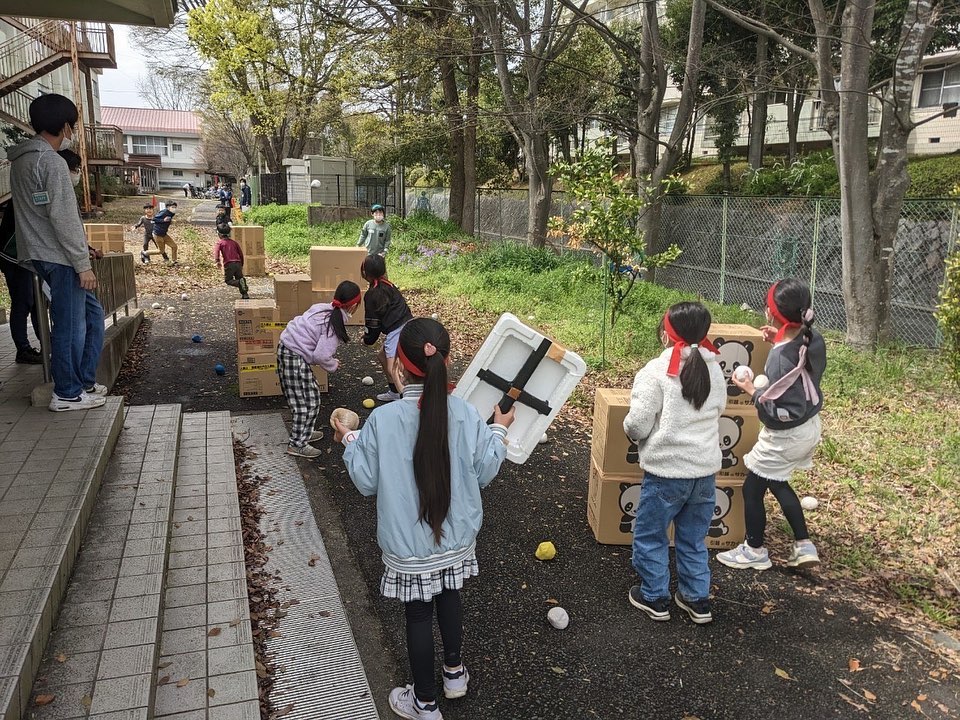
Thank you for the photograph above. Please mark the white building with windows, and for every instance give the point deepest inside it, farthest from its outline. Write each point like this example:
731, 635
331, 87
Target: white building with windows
162, 148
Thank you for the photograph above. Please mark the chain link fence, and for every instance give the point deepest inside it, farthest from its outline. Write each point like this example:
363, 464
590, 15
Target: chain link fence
735, 247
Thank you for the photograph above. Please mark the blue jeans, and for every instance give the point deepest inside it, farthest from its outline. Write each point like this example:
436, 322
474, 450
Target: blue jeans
689, 505
77, 332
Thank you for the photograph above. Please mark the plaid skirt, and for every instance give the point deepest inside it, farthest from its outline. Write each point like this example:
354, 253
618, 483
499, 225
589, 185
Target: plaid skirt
408, 587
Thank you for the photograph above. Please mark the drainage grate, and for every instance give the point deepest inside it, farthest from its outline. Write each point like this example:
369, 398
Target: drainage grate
322, 675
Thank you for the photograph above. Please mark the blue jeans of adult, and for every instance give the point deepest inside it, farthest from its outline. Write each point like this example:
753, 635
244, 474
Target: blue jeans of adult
689, 505
77, 332
20, 284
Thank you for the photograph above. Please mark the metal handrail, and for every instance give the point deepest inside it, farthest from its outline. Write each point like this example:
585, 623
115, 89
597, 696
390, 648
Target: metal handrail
46, 39
16, 104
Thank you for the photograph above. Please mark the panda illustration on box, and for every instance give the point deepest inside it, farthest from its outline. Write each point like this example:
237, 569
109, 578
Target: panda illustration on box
629, 502
730, 431
720, 509
733, 354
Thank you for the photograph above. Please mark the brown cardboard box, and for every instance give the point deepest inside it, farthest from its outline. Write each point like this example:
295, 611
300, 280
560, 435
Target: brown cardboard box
739, 428
105, 237
329, 266
291, 293
739, 345
611, 449
258, 329
250, 239
258, 375
612, 502
254, 266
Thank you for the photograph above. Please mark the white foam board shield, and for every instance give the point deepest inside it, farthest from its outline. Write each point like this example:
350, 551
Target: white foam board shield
504, 353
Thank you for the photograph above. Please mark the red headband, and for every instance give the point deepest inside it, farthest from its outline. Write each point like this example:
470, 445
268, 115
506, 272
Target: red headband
673, 369
349, 303
779, 316
428, 350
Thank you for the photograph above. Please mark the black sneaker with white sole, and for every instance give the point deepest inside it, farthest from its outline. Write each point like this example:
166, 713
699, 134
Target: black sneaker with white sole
658, 609
698, 610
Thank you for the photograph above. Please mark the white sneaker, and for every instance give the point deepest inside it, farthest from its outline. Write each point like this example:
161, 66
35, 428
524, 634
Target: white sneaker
388, 396
744, 556
405, 704
97, 389
305, 452
455, 682
804, 555
82, 402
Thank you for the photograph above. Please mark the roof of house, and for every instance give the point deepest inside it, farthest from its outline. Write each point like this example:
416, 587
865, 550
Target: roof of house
149, 120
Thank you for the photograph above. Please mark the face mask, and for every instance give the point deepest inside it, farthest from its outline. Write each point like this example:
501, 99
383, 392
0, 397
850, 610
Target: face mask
67, 142
76, 178
378, 217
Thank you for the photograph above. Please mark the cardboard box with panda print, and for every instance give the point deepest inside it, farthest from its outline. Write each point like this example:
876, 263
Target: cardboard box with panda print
739, 345
739, 428
610, 448
612, 502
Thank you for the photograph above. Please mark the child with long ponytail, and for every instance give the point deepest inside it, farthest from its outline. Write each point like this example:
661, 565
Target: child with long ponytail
386, 312
428, 506
789, 409
674, 418
312, 339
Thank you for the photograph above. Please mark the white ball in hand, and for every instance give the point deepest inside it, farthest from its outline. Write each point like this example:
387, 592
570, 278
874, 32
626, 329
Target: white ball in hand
743, 373
367, 380
558, 618
761, 381
809, 503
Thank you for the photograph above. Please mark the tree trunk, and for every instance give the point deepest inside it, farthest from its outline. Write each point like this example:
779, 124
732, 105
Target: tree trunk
468, 218
536, 148
455, 137
862, 277
758, 117
727, 179
794, 106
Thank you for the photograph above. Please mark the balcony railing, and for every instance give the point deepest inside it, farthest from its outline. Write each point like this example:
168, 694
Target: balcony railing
4, 179
104, 142
16, 106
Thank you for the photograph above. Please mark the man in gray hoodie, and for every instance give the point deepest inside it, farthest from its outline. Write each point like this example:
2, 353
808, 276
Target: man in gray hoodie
51, 235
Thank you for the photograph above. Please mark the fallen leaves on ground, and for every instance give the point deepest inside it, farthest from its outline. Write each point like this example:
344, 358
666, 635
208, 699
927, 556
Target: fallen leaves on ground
42, 700
783, 674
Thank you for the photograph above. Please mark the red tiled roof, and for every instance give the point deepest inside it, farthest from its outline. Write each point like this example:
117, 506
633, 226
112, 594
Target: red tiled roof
148, 120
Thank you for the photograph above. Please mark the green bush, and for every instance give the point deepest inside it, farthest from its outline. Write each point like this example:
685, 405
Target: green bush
933, 177
267, 215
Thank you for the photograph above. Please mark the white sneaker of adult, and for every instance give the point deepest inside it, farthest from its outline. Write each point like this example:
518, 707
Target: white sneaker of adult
82, 402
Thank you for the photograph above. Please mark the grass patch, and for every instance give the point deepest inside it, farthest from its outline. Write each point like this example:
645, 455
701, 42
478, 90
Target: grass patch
886, 473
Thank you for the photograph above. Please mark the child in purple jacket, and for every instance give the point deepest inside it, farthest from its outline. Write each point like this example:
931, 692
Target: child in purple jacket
312, 339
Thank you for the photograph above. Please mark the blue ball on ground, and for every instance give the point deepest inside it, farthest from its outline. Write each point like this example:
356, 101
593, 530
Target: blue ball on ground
220, 369
197, 338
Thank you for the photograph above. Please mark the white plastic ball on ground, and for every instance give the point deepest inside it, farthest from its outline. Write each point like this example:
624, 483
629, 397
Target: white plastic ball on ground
809, 502
315, 183
544, 439
171, 308
367, 380
531, 317
743, 373
184, 296
761, 381
558, 617
435, 316
157, 306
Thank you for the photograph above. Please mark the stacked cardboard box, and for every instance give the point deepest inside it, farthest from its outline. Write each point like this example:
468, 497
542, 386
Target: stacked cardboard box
258, 330
615, 476
329, 266
293, 293
250, 240
105, 237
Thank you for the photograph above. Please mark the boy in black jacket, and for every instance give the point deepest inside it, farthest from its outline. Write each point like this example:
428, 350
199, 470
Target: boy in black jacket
386, 314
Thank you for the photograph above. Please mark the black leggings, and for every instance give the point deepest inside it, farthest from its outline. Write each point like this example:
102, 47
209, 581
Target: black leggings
420, 639
755, 515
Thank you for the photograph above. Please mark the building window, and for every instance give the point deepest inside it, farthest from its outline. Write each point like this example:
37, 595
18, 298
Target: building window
777, 97
177, 147
178, 173
668, 117
149, 145
939, 86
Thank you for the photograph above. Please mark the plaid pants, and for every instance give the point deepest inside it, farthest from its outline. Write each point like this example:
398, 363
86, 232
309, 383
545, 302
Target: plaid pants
302, 392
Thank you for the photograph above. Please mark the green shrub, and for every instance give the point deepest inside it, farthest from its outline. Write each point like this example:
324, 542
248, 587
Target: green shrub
933, 177
267, 215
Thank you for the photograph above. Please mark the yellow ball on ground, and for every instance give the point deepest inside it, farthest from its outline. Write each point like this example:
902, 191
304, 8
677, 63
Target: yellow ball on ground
369, 403
546, 551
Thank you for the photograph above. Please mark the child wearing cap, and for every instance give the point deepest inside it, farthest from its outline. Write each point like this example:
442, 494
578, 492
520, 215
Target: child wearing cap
146, 222
375, 235
674, 419
231, 253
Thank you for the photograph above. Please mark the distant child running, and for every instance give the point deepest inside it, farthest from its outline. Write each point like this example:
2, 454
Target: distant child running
375, 235
674, 418
789, 409
386, 313
161, 233
146, 222
426, 458
232, 255
312, 339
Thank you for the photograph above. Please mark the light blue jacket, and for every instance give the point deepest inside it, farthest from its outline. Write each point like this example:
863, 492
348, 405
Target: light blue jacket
380, 462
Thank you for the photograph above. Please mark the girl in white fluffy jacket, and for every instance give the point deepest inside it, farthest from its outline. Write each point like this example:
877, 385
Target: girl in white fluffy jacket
674, 419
